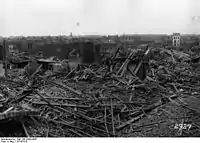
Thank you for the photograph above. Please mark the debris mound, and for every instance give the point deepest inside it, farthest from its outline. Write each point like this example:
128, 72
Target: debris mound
143, 92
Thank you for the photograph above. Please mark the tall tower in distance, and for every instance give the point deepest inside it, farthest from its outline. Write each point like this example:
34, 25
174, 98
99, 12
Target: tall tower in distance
71, 35
176, 40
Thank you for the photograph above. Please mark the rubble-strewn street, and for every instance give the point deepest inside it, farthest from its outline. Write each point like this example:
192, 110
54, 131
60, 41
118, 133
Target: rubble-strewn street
146, 92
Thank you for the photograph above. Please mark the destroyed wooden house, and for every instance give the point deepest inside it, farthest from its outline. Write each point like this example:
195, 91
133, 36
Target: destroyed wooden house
75, 50
145, 94
86, 52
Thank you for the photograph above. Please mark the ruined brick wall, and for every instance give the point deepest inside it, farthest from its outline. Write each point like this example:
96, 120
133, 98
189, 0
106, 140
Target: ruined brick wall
87, 53
1, 53
58, 50
90, 52
97, 53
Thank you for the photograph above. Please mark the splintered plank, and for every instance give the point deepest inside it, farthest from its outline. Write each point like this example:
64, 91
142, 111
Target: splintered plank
16, 114
65, 87
192, 103
64, 105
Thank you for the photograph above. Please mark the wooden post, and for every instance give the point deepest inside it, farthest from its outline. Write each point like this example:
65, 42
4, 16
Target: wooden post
5, 57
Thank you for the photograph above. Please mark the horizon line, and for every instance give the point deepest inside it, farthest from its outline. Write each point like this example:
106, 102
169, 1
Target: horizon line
96, 35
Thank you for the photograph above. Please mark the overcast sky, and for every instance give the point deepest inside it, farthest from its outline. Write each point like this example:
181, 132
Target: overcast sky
45, 17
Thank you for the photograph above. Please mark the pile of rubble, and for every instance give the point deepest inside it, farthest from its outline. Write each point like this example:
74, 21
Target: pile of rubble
148, 92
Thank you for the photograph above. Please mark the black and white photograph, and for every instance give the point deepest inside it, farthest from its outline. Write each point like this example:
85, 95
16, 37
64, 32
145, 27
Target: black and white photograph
99, 68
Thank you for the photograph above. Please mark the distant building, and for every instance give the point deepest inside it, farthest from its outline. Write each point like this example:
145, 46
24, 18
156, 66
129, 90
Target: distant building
176, 39
127, 38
